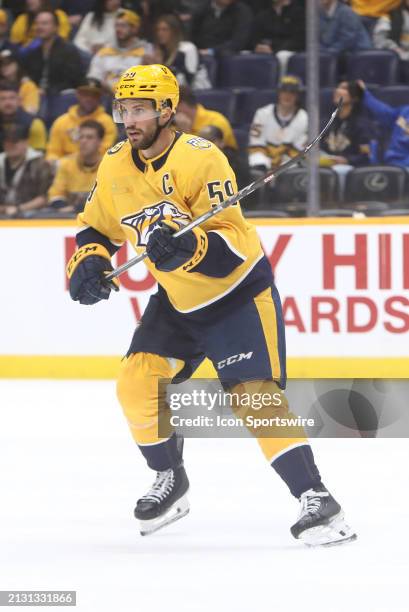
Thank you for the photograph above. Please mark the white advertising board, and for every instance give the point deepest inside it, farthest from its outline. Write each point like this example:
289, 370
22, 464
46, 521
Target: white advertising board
344, 286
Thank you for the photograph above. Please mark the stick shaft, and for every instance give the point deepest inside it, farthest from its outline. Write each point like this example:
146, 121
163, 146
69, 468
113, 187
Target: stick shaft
236, 197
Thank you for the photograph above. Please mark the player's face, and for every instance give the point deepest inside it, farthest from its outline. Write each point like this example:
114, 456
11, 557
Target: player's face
140, 120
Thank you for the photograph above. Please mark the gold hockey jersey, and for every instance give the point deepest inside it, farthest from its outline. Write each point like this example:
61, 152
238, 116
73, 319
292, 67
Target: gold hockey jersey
132, 195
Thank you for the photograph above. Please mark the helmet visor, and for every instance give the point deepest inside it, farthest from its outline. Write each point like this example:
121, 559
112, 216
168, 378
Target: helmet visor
133, 110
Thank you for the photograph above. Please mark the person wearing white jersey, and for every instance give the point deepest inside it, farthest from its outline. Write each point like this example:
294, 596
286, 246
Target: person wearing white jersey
278, 131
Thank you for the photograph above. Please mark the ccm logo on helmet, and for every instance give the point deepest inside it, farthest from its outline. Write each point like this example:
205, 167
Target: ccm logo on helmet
233, 359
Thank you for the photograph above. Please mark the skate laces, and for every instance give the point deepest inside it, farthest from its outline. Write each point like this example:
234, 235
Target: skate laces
161, 487
311, 501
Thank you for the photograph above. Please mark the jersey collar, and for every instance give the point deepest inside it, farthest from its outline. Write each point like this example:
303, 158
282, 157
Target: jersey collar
157, 162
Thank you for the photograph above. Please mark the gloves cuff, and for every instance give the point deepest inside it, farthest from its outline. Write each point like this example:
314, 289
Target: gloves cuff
200, 252
84, 252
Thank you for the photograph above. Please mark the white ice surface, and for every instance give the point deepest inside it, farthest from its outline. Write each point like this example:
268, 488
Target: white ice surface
69, 477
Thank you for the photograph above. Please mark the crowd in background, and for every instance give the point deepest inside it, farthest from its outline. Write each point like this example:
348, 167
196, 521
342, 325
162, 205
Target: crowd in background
60, 61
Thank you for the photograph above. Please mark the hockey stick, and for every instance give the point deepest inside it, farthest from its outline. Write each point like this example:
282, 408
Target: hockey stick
263, 180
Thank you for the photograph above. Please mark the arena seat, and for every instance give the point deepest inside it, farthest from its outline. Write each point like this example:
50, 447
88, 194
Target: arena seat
221, 100
374, 66
395, 95
291, 188
328, 68
266, 212
249, 100
212, 67
369, 208
376, 183
395, 212
242, 137
249, 70
336, 212
326, 101
85, 58
57, 104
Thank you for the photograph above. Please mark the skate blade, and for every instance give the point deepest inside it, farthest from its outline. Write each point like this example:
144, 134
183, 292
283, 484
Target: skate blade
173, 514
336, 532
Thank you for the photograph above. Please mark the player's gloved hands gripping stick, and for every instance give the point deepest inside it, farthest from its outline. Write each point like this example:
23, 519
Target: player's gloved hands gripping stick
86, 271
169, 253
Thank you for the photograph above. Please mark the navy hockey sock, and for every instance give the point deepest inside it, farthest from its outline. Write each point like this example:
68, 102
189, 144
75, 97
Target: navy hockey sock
164, 455
298, 470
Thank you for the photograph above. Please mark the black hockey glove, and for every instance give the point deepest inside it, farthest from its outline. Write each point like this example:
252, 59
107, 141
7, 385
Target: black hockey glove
168, 253
86, 271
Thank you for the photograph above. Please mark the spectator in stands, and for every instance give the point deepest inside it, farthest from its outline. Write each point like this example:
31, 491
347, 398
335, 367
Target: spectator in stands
151, 10
24, 174
280, 29
347, 143
56, 64
370, 11
278, 131
392, 32
23, 30
65, 131
396, 121
223, 26
11, 112
341, 29
11, 70
191, 117
97, 29
129, 50
182, 57
237, 161
76, 173
5, 43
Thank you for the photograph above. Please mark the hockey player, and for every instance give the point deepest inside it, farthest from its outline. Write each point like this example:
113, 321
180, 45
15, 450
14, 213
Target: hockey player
213, 281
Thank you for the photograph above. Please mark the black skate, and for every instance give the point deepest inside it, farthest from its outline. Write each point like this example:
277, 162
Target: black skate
165, 502
321, 521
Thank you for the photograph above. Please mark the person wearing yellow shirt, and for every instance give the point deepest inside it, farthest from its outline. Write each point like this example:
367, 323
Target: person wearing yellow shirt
23, 29
370, 11
76, 173
192, 117
11, 70
64, 132
11, 112
374, 8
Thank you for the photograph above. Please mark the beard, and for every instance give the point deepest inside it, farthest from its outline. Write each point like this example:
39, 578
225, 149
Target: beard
142, 139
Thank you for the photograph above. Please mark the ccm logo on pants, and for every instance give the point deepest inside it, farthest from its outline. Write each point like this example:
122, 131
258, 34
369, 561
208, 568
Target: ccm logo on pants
233, 359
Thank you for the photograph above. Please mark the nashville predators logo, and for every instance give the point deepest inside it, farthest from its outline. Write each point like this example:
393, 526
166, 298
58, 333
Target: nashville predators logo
147, 220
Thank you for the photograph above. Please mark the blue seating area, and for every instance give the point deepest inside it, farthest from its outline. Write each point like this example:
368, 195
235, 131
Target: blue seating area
261, 71
371, 190
245, 82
